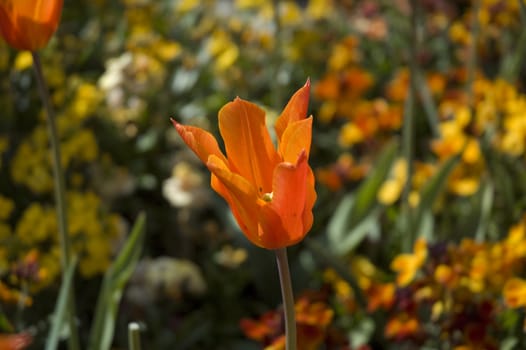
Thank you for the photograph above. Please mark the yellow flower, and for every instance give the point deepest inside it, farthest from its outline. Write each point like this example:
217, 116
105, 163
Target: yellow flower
344, 53
184, 6
392, 188
31, 165
23, 60
350, 134
459, 34
390, 191
515, 292
290, 13
444, 274
85, 101
223, 49
4, 144
5, 233
247, 4
319, 9
37, 224
81, 147
227, 58
167, 50
6, 207
407, 265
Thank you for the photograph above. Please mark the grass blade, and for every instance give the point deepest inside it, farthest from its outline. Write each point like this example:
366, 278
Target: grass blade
113, 285
59, 316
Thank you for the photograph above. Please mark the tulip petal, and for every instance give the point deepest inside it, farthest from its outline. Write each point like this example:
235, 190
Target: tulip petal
248, 145
295, 110
310, 199
296, 139
240, 195
272, 233
289, 194
28, 24
200, 141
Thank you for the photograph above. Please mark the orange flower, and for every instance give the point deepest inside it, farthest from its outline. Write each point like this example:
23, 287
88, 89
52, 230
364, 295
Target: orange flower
28, 24
407, 265
515, 292
312, 322
14, 341
402, 326
380, 295
270, 192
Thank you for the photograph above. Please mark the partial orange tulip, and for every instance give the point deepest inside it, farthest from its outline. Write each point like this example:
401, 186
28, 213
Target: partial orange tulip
269, 190
29, 24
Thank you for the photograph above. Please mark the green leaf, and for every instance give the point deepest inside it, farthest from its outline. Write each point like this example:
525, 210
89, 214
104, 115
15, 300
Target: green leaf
368, 226
113, 285
365, 198
356, 215
428, 104
59, 315
509, 343
511, 64
485, 204
362, 333
429, 194
339, 223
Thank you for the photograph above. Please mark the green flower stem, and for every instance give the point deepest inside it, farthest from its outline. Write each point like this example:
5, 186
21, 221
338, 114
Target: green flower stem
60, 198
134, 336
288, 298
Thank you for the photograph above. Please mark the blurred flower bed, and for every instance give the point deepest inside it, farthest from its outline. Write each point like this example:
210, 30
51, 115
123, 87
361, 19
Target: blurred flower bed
419, 146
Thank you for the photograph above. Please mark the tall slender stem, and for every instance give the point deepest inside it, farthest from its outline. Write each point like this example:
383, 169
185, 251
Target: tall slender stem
288, 298
60, 197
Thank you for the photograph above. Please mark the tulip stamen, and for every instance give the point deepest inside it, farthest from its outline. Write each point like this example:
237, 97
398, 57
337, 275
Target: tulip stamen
267, 197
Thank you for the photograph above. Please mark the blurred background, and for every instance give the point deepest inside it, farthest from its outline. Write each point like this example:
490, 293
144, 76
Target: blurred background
418, 151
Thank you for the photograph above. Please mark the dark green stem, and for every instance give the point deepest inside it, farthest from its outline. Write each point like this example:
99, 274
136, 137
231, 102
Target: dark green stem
288, 298
60, 197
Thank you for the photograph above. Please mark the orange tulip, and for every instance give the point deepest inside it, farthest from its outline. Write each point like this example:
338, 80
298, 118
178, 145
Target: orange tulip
270, 191
29, 24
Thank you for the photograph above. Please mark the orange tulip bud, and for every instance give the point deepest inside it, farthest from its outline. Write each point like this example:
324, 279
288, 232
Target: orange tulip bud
29, 24
270, 191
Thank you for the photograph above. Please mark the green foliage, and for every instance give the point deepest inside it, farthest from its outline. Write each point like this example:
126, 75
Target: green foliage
119, 70
432, 189
358, 213
115, 280
61, 307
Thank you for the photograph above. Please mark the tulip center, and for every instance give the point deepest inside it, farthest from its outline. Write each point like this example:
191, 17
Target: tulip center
267, 197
